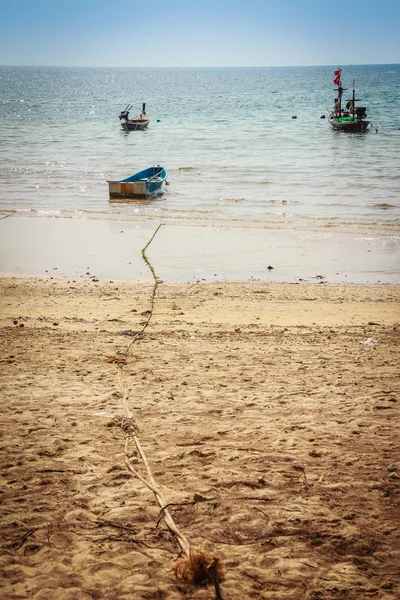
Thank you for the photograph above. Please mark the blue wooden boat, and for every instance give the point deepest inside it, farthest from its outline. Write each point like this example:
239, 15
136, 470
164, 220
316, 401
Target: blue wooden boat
144, 184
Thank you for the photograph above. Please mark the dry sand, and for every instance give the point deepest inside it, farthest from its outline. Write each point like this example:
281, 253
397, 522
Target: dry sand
257, 400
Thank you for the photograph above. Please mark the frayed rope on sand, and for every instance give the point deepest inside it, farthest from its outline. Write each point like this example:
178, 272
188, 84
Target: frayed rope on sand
198, 566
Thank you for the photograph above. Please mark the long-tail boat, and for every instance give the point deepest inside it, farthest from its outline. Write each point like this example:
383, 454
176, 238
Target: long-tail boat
350, 118
140, 122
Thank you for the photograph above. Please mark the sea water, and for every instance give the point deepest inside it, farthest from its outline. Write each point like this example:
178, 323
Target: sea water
244, 147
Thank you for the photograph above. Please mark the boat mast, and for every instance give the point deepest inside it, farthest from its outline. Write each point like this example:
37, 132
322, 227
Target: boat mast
353, 102
339, 89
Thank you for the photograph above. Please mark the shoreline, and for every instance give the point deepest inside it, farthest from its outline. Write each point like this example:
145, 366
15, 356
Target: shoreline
111, 249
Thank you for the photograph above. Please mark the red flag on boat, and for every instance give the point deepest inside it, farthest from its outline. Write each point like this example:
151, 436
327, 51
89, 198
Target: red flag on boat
337, 72
336, 81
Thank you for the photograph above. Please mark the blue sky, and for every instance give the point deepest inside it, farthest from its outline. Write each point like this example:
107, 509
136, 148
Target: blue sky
216, 33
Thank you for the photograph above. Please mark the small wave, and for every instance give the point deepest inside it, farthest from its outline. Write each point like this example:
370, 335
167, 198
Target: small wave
281, 202
383, 206
232, 200
184, 169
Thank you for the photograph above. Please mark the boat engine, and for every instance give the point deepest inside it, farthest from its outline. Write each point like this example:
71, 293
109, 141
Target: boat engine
125, 113
361, 112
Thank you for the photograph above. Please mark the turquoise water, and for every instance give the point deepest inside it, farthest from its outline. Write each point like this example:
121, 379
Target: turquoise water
235, 155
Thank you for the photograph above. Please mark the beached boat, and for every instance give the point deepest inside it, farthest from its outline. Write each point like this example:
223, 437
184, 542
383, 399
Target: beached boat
137, 123
144, 184
352, 117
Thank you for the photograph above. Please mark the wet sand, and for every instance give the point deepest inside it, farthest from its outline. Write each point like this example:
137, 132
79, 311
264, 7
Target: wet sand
111, 249
269, 414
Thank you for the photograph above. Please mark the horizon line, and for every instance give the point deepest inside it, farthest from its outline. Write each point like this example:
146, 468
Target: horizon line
198, 66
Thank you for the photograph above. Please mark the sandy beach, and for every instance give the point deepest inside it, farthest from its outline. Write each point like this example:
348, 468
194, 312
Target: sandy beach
269, 416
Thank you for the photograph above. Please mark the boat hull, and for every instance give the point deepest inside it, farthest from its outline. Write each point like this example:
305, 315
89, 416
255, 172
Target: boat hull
356, 126
119, 189
145, 184
135, 124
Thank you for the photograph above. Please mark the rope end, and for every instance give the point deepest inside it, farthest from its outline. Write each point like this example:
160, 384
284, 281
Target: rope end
199, 568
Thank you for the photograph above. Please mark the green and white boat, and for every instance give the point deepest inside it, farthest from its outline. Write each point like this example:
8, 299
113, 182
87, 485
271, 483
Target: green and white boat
351, 118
